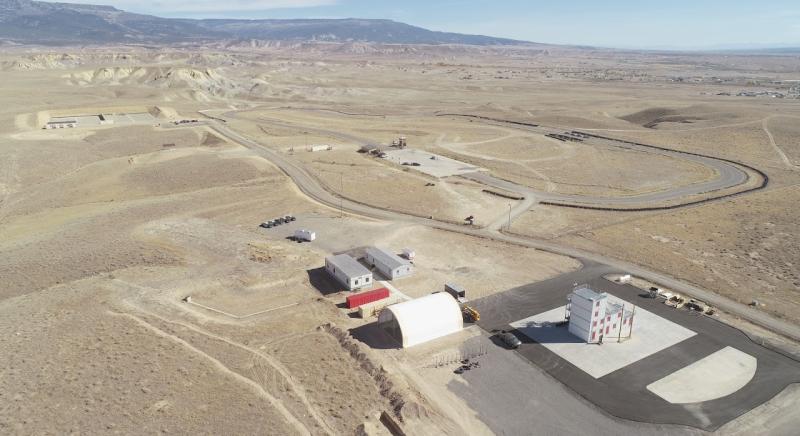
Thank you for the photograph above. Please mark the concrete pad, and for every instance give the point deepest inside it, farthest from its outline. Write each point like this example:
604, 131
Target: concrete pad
80, 120
651, 334
116, 119
142, 117
715, 376
439, 167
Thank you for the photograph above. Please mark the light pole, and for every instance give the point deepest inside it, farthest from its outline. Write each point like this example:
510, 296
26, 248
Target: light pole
341, 195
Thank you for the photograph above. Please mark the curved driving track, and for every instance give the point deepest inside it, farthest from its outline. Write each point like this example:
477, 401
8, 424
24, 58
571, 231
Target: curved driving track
729, 174
311, 187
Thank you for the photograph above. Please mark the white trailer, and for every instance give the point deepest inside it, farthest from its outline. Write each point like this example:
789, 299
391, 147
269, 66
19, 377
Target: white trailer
314, 148
389, 264
348, 271
305, 235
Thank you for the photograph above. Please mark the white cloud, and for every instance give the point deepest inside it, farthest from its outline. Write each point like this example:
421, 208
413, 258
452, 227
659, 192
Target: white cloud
204, 6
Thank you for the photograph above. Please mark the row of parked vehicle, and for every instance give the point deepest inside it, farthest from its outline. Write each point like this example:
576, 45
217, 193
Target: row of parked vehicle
278, 221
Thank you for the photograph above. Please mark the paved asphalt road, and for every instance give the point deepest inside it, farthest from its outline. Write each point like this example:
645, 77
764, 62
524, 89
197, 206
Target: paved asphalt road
310, 186
623, 393
513, 397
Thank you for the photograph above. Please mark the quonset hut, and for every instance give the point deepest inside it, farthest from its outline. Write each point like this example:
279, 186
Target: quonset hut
421, 320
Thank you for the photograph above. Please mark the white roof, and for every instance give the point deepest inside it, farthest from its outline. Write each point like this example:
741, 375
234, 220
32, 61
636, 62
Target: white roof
426, 318
588, 293
387, 258
347, 265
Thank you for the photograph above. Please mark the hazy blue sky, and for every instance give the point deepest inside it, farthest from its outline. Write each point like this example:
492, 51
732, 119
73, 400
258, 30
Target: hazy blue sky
613, 23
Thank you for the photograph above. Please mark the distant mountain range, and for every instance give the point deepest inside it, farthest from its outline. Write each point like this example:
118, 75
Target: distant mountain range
34, 22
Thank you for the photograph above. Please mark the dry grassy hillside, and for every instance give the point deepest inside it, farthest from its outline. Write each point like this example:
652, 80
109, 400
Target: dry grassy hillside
105, 230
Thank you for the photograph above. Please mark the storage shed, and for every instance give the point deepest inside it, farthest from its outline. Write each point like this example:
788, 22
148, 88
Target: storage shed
421, 320
389, 264
356, 300
348, 271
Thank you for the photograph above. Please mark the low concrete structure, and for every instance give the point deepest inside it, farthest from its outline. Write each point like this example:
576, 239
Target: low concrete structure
60, 124
104, 119
348, 271
389, 264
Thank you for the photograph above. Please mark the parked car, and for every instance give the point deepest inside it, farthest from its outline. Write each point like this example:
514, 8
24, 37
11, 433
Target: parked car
266, 224
510, 340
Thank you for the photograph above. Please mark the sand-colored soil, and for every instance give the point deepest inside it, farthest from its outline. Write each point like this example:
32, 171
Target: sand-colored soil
398, 188
748, 250
785, 131
104, 231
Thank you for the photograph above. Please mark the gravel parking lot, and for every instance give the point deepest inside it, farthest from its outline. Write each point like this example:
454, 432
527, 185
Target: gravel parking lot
429, 163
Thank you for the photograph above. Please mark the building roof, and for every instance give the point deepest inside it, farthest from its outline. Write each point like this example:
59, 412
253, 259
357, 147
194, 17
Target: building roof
387, 258
349, 266
426, 318
588, 293
613, 308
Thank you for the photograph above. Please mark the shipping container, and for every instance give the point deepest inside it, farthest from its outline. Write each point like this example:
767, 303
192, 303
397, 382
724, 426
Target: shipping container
372, 309
455, 290
355, 300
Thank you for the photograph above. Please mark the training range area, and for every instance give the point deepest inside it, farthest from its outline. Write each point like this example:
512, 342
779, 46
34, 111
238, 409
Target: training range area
117, 119
651, 334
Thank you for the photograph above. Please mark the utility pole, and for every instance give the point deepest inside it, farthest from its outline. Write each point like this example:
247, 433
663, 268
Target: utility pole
341, 195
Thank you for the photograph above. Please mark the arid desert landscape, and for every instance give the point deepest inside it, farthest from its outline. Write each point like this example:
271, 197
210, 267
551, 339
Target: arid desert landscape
140, 295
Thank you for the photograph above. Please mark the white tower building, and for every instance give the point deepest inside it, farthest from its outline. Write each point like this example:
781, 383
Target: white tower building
592, 317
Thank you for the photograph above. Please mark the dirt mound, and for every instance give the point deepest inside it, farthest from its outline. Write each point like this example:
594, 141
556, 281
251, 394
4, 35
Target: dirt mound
211, 140
653, 117
648, 115
399, 396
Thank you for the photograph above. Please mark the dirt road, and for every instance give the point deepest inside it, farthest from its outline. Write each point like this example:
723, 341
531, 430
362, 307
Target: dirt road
310, 186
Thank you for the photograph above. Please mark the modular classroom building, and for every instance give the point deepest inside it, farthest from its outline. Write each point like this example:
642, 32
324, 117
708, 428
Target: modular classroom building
348, 271
389, 264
